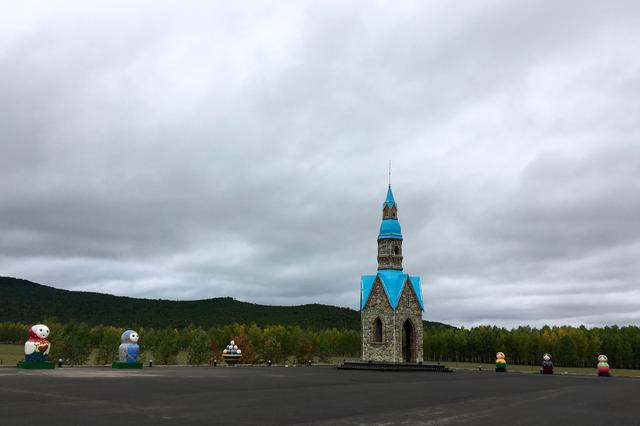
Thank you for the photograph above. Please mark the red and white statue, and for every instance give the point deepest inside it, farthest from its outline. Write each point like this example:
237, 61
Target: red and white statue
37, 347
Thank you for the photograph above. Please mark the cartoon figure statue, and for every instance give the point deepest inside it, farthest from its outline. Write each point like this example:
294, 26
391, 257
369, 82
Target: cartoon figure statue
603, 366
547, 364
128, 350
36, 349
231, 353
501, 363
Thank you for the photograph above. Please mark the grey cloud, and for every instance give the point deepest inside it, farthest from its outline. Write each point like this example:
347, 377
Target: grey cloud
163, 150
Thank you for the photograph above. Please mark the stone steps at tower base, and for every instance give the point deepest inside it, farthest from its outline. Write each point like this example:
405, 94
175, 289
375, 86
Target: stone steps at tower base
393, 366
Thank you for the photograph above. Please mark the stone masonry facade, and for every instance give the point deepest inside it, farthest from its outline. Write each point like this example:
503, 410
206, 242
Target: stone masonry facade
390, 254
393, 320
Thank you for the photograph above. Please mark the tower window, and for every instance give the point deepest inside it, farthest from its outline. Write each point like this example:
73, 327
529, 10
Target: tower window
396, 250
377, 330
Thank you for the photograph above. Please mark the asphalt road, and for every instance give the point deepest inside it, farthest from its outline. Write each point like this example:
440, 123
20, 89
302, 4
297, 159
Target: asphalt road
310, 395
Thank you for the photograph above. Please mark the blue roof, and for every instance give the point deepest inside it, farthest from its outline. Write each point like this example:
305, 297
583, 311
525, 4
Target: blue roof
390, 201
390, 228
393, 283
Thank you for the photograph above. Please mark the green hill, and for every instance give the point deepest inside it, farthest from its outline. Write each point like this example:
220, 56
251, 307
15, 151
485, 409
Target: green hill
25, 301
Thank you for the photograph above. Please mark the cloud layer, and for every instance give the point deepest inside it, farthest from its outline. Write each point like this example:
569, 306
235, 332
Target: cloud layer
158, 149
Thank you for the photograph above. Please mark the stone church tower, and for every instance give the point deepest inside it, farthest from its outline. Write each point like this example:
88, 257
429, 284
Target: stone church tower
391, 301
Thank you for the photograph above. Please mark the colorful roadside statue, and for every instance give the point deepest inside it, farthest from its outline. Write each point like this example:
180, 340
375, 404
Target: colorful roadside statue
603, 366
36, 349
128, 351
547, 364
232, 354
501, 363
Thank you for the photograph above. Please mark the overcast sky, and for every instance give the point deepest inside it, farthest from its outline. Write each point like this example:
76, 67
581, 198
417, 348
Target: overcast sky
188, 150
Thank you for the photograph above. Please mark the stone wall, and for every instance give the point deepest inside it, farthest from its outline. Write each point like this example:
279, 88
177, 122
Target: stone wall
389, 212
387, 259
409, 308
378, 305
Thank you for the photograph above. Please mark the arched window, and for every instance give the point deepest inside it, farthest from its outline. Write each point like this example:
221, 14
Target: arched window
396, 250
377, 330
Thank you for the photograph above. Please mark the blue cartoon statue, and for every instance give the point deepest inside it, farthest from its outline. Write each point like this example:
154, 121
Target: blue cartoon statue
128, 351
129, 348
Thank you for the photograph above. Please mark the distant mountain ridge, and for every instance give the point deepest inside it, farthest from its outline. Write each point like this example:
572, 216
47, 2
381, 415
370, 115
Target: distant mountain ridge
29, 302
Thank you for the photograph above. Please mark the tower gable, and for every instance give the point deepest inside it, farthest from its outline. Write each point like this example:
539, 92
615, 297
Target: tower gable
393, 283
377, 298
408, 300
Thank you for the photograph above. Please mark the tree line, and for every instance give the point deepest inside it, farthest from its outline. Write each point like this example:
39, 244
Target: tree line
569, 346
75, 342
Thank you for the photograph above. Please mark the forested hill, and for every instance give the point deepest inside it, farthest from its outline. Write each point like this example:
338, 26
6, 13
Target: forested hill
25, 301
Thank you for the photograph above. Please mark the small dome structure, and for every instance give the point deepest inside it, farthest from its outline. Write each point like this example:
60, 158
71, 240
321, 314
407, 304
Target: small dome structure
390, 228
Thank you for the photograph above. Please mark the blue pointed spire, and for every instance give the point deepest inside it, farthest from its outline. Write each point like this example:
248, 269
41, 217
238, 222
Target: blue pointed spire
390, 201
390, 226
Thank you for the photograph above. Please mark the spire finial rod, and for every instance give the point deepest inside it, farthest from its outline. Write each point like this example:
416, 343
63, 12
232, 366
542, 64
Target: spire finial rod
389, 172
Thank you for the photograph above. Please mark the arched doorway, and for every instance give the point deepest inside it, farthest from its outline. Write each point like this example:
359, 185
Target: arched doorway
408, 342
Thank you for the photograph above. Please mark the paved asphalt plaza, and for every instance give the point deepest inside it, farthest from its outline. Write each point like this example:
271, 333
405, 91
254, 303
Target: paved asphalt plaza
310, 395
